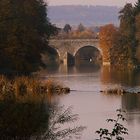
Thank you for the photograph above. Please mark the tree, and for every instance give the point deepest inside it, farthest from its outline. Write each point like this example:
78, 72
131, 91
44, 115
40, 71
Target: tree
126, 40
137, 8
127, 29
24, 33
106, 37
137, 30
118, 51
80, 28
67, 28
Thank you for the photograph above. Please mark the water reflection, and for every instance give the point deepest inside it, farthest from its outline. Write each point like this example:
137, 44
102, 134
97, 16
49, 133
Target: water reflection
23, 119
107, 75
87, 68
124, 78
131, 102
62, 69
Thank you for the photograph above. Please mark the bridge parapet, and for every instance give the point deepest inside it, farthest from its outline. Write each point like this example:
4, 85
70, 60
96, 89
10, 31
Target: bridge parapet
56, 41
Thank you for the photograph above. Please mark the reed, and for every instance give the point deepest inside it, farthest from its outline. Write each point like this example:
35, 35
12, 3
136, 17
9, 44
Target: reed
21, 86
117, 91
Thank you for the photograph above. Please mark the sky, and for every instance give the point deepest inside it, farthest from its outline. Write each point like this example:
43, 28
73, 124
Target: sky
90, 2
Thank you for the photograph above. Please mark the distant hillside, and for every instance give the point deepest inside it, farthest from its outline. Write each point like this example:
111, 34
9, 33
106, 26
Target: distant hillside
87, 15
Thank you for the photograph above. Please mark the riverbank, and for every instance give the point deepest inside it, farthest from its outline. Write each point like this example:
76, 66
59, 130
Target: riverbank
29, 85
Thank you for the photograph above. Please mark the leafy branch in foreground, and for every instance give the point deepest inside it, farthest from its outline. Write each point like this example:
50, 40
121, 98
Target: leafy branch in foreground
58, 118
118, 129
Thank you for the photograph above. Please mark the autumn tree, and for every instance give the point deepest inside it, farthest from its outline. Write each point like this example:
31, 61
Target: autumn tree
24, 33
118, 51
106, 37
125, 43
113, 45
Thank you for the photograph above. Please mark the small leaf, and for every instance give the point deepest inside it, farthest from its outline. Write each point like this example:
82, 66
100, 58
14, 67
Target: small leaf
98, 132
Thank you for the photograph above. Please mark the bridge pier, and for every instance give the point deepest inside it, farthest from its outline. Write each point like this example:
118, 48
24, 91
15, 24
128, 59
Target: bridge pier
67, 59
106, 63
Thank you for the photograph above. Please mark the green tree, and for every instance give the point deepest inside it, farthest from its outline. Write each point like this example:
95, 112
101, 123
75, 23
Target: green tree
127, 29
137, 7
67, 28
24, 33
137, 29
80, 28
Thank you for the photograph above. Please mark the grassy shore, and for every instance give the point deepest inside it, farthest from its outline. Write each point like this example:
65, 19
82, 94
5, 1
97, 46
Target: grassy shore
21, 86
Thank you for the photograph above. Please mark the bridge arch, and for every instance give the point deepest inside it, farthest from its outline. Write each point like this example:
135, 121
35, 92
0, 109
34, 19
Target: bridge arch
51, 56
87, 45
88, 55
52, 47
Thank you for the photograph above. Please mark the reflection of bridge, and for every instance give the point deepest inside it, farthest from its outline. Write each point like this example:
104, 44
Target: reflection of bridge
69, 47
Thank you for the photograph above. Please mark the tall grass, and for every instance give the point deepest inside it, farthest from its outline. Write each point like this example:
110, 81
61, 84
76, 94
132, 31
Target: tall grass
29, 86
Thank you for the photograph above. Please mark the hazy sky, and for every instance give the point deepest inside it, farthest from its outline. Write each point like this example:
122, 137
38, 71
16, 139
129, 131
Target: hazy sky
89, 2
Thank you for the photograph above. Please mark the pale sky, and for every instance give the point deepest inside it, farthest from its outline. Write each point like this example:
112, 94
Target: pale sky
90, 2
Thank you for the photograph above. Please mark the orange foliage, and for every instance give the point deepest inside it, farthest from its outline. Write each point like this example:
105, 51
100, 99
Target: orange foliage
106, 37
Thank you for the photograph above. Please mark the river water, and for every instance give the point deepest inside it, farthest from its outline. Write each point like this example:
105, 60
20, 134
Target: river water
94, 107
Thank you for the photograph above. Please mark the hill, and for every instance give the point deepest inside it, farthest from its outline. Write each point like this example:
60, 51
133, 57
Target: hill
87, 15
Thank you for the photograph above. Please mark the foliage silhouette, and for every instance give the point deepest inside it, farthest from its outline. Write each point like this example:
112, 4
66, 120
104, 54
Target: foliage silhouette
117, 131
23, 35
58, 118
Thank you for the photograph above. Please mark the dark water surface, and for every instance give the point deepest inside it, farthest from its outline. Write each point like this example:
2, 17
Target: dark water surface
94, 107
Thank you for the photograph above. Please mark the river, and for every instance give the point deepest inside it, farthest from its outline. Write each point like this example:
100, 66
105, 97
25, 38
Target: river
94, 107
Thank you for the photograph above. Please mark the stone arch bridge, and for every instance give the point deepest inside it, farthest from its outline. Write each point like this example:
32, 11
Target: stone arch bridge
69, 47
